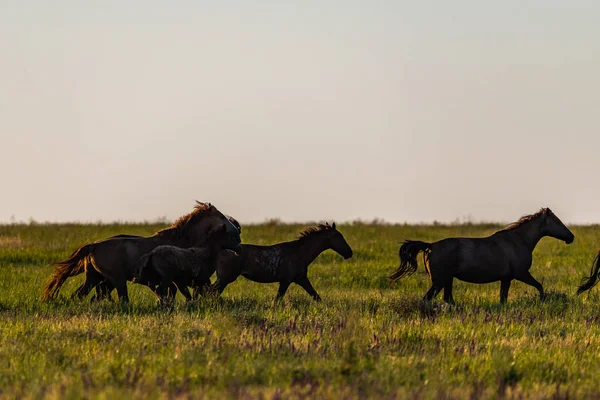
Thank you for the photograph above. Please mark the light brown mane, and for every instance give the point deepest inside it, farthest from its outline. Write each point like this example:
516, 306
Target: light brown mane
180, 226
314, 230
528, 218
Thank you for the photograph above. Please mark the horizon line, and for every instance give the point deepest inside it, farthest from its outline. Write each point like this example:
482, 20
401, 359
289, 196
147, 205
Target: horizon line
280, 221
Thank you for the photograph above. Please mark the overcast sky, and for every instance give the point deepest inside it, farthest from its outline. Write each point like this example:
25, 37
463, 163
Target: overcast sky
337, 110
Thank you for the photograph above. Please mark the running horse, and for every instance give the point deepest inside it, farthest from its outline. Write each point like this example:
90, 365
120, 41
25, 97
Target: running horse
503, 256
285, 263
114, 261
152, 278
184, 267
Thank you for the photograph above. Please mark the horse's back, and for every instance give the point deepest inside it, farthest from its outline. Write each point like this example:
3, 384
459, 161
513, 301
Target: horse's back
165, 249
477, 260
125, 249
262, 263
163, 257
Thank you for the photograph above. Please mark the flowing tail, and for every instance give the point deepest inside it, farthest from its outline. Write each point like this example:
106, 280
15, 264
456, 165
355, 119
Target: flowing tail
588, 283
408, 258
72, 266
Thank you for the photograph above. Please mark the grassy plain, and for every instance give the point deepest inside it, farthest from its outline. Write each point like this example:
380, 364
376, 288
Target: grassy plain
367, 339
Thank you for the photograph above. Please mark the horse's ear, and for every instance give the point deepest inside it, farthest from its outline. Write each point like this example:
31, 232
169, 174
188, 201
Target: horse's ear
203, 205
333, 225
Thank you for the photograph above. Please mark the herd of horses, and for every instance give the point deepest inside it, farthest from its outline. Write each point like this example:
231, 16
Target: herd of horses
187, 254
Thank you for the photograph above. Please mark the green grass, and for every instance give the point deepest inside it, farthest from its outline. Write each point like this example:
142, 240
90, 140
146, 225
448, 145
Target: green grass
366, 339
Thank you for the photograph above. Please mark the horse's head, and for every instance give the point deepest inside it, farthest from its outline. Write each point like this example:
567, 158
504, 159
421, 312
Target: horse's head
220, 239
337, 242
209, 220
552, 226
235, 223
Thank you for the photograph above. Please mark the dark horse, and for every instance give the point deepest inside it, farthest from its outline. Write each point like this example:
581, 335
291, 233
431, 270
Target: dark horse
504, 256
115, 260
219, 239
184, 267
285, 263
592, 280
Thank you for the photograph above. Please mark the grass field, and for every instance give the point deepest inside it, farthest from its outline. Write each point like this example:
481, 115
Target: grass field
367, 339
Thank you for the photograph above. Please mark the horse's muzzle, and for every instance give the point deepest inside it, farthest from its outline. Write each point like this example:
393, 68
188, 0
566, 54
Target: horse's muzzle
347, 256
570, 240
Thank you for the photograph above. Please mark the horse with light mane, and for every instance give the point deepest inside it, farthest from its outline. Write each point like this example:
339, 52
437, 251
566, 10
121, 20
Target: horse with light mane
200, 284
184, 267
115, 260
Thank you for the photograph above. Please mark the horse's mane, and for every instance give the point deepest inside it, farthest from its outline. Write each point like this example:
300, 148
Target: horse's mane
314, 230
527, 218
179, 227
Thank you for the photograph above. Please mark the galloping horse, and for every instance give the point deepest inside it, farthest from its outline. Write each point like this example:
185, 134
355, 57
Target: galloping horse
184, 267
116, 259
152, 278
285, 263
504, 256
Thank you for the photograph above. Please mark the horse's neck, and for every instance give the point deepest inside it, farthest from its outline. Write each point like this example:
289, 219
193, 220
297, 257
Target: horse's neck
170, 240
530, 233
310, 248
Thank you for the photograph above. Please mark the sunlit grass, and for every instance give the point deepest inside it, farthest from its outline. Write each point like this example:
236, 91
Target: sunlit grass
366, 339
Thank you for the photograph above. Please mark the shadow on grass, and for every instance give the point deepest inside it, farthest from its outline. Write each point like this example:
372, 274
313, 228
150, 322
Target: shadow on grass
251, 310
529, 308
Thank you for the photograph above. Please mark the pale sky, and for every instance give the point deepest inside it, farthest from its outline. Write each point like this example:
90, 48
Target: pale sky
317, 110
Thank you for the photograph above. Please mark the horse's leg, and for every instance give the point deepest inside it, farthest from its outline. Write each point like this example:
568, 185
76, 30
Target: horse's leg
504, 286
526, 277
432, 292
201, 288
92, 278
121, 286
227, 272
448, 292
201, 284
283, 287
306, 285
172, 290
78, 290
219, 285
184, 290
163, 292
103, 291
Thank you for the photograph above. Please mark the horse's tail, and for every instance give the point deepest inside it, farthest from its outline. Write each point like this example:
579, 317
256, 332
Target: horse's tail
588, 283
408, 258
72, 266
143, 263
